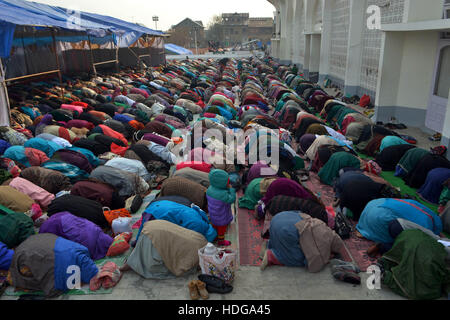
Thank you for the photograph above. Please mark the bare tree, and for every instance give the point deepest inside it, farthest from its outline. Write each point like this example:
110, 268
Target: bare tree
214, 31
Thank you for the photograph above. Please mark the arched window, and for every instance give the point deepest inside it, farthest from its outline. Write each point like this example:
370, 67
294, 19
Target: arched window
443, 74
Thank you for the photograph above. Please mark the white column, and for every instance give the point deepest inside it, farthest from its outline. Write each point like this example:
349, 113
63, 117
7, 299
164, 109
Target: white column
314, 57
283, 31
357, 25
307, 59
325, 41
446, 131
389, 74
290, 30
309, 15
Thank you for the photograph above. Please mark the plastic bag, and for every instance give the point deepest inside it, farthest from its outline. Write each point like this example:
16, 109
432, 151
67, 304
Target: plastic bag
222, 265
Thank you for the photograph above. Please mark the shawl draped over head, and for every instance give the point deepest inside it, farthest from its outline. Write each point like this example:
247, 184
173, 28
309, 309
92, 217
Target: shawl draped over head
50, 180
432, 188
176, 246
284, 239
355, 190
411, 158
259, 170
14, 199
285, 203
286, 187
252, 195
186, 188
193, 175
79, 230
391, 141
390, 156
378, 214
337, 162
417, 177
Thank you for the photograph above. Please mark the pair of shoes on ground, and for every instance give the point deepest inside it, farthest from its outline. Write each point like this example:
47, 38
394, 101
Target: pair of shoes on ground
436, 137
215, 284
345, 271
197, 289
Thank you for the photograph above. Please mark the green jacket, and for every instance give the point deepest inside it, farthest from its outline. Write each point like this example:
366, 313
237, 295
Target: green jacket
252, 195
218, 187
415, 267
15, 227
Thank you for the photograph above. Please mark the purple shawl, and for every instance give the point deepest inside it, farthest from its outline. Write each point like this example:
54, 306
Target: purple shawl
306, 141
255, 172
285, 187
163, 141
79, 230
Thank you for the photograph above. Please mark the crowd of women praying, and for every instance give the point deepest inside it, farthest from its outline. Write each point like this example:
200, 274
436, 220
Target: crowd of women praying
138, 163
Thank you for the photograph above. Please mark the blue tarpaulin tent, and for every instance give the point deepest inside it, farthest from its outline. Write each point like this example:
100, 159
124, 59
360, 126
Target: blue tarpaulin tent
174, 49
26, 13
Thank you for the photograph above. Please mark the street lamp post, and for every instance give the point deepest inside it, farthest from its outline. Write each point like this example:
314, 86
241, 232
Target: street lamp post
195, 35
156, 19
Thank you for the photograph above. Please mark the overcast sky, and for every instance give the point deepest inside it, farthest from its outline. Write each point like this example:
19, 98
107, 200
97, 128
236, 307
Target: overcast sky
170, 12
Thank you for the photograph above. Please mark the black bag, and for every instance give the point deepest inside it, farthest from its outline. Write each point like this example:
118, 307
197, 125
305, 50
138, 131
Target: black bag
343, 226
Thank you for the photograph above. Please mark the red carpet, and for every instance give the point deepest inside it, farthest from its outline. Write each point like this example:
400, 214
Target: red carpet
356, 247
249, 237
322, 191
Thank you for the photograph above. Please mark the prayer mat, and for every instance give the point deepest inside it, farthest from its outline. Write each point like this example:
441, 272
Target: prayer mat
250, 240
84, 290
358, 251
322, 191
398, 182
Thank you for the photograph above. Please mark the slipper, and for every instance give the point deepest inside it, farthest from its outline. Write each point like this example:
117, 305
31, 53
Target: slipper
215, 284
201, 286
347, 276
337, 264
193, 290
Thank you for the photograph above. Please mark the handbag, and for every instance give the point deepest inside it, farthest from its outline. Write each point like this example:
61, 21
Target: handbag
342, 226
111, 215
222, 264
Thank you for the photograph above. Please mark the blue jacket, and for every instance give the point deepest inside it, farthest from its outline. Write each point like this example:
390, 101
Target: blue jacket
285, 239
6, 256
69, 253
190, 218
46, 146
374, 221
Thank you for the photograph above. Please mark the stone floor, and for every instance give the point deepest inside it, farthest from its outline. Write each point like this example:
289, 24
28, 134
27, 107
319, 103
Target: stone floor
275, 283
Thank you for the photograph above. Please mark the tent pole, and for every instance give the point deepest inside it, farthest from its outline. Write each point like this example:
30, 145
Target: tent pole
149, 52
5, 88
57, 62
117, 57
92, 56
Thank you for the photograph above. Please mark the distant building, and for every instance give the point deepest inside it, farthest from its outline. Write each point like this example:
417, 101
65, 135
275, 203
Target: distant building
261, 28
234, 28
238, 28
186, 32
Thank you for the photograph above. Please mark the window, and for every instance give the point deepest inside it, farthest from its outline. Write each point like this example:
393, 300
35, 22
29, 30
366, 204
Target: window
443, 80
